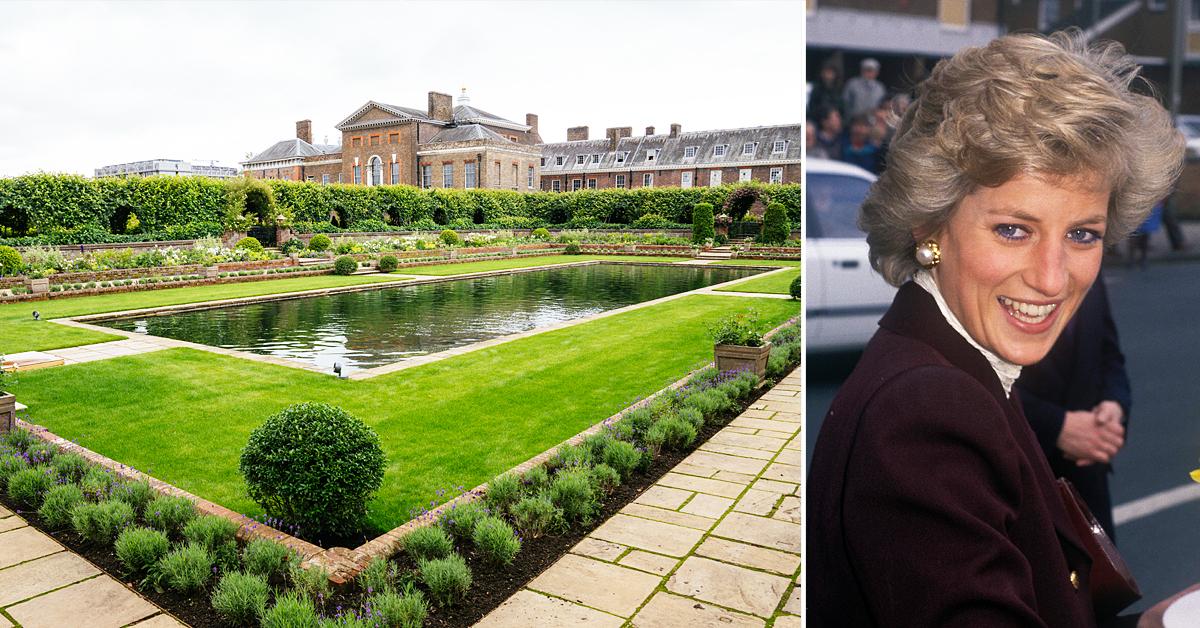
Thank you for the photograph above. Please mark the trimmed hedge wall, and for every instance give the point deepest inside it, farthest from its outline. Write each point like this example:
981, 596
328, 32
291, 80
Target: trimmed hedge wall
69, 209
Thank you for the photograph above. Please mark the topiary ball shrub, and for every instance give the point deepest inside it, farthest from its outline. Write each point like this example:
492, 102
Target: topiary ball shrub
703, 223
344, 265
573, 248
316, 466
10, 261
541, 233
794, 288
250, 244
320, 243
776, 228
388, 263
450, 237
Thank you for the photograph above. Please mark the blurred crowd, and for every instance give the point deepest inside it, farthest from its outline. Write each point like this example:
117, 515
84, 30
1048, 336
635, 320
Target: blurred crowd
852, 121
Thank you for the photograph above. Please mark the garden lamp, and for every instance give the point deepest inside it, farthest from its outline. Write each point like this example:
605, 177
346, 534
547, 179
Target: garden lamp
37, 316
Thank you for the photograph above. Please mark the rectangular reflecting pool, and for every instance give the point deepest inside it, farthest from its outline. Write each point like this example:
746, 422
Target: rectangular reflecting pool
371, 328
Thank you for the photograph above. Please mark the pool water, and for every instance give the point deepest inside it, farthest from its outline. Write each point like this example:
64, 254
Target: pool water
371, 328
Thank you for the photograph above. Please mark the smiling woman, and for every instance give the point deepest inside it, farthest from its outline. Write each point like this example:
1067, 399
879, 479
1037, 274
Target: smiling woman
1006, 176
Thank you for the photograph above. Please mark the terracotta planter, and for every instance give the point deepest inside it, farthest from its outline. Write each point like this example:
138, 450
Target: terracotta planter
731, 357
8, 411
38, 286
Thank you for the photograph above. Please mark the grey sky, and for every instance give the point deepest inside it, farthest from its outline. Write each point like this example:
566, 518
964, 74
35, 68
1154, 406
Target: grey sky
89, 84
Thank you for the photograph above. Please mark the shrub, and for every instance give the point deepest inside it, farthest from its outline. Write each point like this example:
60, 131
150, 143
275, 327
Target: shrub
100, 523
795, 287
703, 223
294, 245
345, 265
184, 569
28, 486
638, 420
169, 513
10, 464
460, 519
312, 582
776, 228
709, 402
40, 453
10, 261
379, 575
572, 248
572, 491
266, 558
503, 491
622, 457
139, 549
496, 540
737, 329
96, 483
291, 610
568, 456
137, 494
428, 542
448, 578
250, 244
19, 439
314, 465
320, 243
241, 598
605, 478
541, 233
406, 611
672, 432
535, 515
651, 221
58, 503
693, 416
216, 534
388, 263
450, 237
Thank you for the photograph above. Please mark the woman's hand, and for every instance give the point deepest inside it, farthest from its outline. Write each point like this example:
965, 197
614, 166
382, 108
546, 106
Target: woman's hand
1089, 437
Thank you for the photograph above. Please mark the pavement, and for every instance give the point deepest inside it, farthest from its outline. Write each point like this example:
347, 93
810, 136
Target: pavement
45, 585
714, 543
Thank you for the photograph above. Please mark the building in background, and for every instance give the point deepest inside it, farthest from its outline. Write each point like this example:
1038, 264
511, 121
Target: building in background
442, 146
770, 154
178, 167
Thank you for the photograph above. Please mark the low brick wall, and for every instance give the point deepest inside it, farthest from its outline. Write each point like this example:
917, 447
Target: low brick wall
46, 296
157, 271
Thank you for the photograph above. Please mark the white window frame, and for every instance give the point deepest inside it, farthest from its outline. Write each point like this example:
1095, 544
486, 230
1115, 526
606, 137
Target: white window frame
324, 179
543, 162
357, 175
559, 160
447, 175
749, 148
427, 176
776, 175
530, 183
745, 174
591, 184
714, 177
470, 175
622, 156
647, 180
580, 159
720, 149
689, 152
651, 155
576, 185
619, 181
685, 179
395, 172
556, 185
597, 158
778, 146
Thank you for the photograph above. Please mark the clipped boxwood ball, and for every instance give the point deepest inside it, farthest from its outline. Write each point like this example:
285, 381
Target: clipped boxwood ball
794, 289
388, 263
316, 466
250, 244
344, 265
320, 243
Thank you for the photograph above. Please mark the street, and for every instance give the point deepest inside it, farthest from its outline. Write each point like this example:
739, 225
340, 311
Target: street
1157, 312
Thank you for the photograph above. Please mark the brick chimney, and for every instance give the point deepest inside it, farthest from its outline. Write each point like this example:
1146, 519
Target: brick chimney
304, 130
676, 129
649, 130
577, 133
531, 122
441, 106
615, 134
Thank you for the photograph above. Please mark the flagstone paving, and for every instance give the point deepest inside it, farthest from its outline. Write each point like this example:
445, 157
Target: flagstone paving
715, 543
42, 584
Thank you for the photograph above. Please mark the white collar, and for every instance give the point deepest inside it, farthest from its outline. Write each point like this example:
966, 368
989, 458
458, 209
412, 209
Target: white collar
1006, 371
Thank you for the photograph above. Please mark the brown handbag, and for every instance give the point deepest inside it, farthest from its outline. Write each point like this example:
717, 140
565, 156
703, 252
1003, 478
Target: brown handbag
1113, 586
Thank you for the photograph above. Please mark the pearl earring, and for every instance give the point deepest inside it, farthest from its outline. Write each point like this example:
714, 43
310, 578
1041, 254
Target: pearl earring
928, 254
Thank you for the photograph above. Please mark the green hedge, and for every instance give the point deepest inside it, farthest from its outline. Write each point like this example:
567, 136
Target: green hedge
63, 209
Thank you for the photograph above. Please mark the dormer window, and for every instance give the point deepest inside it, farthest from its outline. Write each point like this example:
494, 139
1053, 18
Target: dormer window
719, 150
622, 156
579, 159
597, 158
689, 152
558, 161
543, 162
780, 146
748, 148
651, 155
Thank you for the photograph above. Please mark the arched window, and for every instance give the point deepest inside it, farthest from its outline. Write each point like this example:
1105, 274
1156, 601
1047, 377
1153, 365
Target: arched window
376, 170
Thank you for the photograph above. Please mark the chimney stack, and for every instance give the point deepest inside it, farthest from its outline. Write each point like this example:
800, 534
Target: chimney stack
615, 134
649, 130
531, 122
304, 130
676, 129
577, 133
441, 106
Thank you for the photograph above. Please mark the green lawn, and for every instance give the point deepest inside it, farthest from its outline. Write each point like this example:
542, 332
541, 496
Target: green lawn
757, 262
524, 262
19, 332
183, 415
778, 283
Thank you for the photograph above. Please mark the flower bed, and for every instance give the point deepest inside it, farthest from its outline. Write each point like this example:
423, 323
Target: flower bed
135, 273
58, 290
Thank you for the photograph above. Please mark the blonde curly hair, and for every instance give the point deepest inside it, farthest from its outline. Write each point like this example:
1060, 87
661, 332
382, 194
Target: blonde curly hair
1052, 106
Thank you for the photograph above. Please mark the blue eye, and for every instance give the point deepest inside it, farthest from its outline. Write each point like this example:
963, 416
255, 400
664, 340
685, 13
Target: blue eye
1084, 236
1011, 232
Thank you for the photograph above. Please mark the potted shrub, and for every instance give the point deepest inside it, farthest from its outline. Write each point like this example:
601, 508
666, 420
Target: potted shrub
739, 345
8, 402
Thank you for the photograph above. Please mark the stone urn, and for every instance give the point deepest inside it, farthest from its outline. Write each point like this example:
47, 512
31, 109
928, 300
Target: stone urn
40, 285
738, 357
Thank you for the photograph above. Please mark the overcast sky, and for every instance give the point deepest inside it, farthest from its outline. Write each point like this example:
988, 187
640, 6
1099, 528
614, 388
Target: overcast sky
87, 84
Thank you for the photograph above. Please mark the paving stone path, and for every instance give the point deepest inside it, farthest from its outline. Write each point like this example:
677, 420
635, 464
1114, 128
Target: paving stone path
44, 585
715, 542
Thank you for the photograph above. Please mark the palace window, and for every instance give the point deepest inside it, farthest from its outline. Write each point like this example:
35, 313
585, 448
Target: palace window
576, 184
543, 162
719, 150
376, 171
358, 175
393, 138
622, 156
324, 179
748, 148
591, 184
780, 146
689, 152
447, 175
579, 159
395, 172
530, 182
374, 140
556, 185
596, 159
516, 176
356, 141
619, 181
685, 179
647, 180
469, 180
776, 175
558, 161
745, 174
426, 176
651, 155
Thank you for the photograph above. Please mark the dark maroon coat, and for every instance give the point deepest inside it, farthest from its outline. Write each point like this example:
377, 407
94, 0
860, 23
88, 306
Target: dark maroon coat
929, 500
